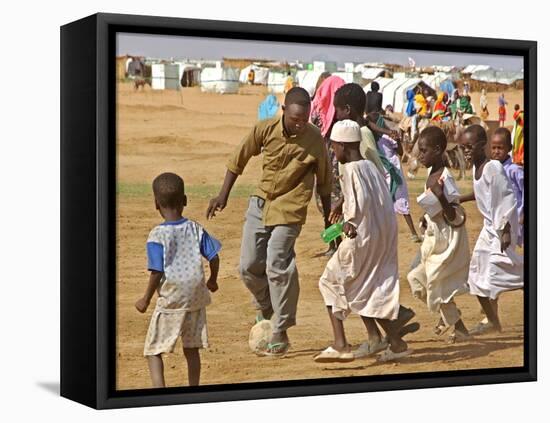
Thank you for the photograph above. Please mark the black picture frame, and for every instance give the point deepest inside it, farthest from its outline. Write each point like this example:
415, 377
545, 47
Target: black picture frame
88, 231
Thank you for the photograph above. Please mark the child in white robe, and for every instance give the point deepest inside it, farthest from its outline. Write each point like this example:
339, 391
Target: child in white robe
495, 267
442, 272
362, 276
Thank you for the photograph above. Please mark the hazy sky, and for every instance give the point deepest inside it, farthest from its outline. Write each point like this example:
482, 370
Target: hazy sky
179, 47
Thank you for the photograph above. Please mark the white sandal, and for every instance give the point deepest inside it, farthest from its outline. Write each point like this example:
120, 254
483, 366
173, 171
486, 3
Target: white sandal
330, 355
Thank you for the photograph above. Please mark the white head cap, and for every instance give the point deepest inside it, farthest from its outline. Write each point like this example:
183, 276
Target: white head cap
346, 131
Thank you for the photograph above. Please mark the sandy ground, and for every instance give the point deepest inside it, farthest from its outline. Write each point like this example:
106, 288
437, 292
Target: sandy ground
192, 134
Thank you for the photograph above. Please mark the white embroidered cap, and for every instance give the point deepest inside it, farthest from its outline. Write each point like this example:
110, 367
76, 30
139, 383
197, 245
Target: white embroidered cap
346, 131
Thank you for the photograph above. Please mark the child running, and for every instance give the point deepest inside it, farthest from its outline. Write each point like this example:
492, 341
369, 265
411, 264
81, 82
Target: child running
362, 276
349, 103
442, 272
501, 145
495, 266
174, 251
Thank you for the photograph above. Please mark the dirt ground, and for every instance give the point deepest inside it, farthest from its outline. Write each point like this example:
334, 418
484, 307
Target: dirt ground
192, 134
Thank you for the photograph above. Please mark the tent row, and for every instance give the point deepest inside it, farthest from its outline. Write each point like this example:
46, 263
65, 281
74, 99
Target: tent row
394, 90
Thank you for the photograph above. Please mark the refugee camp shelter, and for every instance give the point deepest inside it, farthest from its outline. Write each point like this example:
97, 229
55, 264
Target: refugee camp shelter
321, 66
189, 75
220, 80
349, 77
261, 74
276, 82
474, 68
394, 91
372, 73
497, 77
165, 76
307, 79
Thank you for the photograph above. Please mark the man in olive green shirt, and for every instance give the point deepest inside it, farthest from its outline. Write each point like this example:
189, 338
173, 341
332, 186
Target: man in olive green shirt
294, 156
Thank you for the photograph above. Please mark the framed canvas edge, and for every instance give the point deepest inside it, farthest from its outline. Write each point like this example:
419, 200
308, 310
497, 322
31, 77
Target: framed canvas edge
106, 398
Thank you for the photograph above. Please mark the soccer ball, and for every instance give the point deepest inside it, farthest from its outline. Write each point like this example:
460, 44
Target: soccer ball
260, 334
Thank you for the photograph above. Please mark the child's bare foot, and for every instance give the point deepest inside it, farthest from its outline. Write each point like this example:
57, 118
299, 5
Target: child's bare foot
459, 336
397, 349
486, 328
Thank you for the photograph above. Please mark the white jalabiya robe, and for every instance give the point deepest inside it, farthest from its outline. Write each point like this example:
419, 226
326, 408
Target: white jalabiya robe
445, 258
491, 271
362, 276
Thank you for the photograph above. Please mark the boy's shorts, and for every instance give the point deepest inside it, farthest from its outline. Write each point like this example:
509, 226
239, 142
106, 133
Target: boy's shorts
168, 325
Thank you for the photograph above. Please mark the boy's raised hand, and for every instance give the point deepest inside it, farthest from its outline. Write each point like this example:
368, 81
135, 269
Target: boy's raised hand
141, 305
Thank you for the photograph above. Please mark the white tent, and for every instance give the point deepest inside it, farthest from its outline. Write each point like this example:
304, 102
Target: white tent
475, 68
193, 69
320, 66
348, 77
435, 80
276, 82
372, 73
400, 94
220, 80
165, 76
394, 91
444, 68
501, 77
382, 82
307, 79
261, 75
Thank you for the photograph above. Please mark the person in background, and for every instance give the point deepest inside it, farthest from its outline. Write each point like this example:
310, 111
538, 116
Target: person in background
483, 105
374, 99
440, 108
501, 110
289, 82
517, 152
251, 76
323, 115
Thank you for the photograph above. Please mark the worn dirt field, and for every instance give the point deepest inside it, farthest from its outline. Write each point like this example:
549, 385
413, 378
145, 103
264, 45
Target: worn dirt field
192, 134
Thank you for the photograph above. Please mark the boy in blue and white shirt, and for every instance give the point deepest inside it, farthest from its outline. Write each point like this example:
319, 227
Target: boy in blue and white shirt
174, 251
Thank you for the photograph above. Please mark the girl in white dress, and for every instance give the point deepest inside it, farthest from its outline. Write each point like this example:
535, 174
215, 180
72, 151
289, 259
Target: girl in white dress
443, 269
362, 276
495, 267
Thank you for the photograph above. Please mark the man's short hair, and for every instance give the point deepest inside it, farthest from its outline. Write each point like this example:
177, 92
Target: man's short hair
297, 95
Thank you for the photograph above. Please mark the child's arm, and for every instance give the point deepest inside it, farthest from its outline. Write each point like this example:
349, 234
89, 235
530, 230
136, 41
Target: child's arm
467, 197
336, 211
154, 280
505, 238
210, 247
212, 283
448, 209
